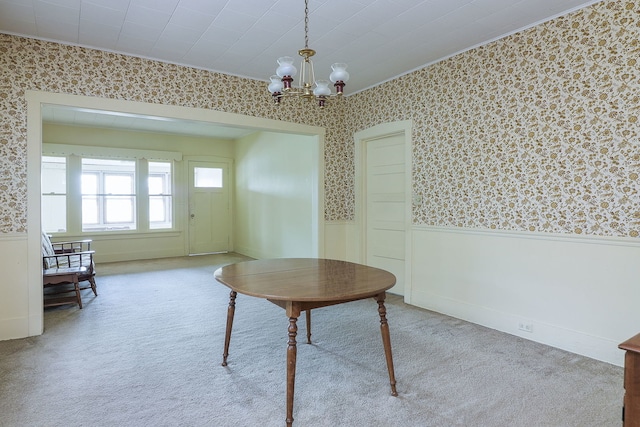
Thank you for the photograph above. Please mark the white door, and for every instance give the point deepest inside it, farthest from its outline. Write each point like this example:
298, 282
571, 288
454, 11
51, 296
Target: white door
209, 207
385, 206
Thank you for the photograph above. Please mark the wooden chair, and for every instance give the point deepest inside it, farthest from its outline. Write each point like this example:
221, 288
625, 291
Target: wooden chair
64, 264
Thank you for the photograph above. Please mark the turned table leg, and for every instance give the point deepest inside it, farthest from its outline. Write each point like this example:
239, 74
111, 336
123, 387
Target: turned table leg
227, 337
291, 367
386, 340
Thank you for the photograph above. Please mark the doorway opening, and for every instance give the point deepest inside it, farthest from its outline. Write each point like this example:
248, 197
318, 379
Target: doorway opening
37, 100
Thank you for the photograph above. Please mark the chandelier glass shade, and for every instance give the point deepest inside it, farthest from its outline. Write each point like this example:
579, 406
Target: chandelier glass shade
281, 85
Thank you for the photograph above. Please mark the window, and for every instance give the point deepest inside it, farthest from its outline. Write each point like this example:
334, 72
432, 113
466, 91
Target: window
207, 177
160, 199
54, 194
108, 194
90, 194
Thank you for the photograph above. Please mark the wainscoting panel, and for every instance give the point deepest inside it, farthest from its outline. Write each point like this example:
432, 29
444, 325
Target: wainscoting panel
115, 248
577, 294
14, 290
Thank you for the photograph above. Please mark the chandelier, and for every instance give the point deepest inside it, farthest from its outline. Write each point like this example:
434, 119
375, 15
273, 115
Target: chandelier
308, 88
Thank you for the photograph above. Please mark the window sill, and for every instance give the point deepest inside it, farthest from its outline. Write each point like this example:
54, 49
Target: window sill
119, 234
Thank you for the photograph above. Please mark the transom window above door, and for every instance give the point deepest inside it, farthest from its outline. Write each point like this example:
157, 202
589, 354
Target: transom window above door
207, 177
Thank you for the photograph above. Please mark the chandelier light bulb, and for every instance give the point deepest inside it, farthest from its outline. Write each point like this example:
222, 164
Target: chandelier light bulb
339, 73
286, 67
275, 88
321, 92
322, 88
276, 84
286, 71
339, 76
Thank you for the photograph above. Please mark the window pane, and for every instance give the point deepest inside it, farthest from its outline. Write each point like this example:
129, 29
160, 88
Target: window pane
160, 173
54, 175
118, 209
90, 210
207, 177
89, 182
118, 184
156, 185
54, 213
157, 211
160, 208
54, 194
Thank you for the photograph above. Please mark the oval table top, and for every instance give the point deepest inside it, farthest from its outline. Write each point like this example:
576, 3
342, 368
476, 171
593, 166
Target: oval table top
305, 279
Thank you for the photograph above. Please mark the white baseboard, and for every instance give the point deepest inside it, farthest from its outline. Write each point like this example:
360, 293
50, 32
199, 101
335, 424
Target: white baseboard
15, 328
577, 342
252, 253
146, 254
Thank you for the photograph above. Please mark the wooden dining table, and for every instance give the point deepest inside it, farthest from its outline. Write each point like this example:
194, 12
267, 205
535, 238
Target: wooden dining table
302, 284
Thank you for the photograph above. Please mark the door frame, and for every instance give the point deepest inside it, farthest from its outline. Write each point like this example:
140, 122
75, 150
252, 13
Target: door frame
187, 203
361, 138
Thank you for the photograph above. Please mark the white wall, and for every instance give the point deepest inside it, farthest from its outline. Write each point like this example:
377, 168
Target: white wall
276, 195
335, 237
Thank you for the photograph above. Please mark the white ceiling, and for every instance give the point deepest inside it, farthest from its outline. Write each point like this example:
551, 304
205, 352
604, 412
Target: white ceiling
378, 39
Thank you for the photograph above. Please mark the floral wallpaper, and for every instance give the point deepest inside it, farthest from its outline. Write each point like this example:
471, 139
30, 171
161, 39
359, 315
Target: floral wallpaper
535, 132
28, 64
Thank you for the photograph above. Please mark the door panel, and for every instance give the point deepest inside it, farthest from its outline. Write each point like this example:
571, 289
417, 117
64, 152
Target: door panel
209, 207
385, 206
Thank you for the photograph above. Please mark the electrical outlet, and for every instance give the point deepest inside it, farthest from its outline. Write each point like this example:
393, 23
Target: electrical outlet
527, 327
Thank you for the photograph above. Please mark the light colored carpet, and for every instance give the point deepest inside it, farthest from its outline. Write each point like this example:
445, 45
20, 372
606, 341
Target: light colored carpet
147, 352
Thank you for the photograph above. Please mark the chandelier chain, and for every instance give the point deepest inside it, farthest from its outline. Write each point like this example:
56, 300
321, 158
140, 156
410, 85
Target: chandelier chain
306, 24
